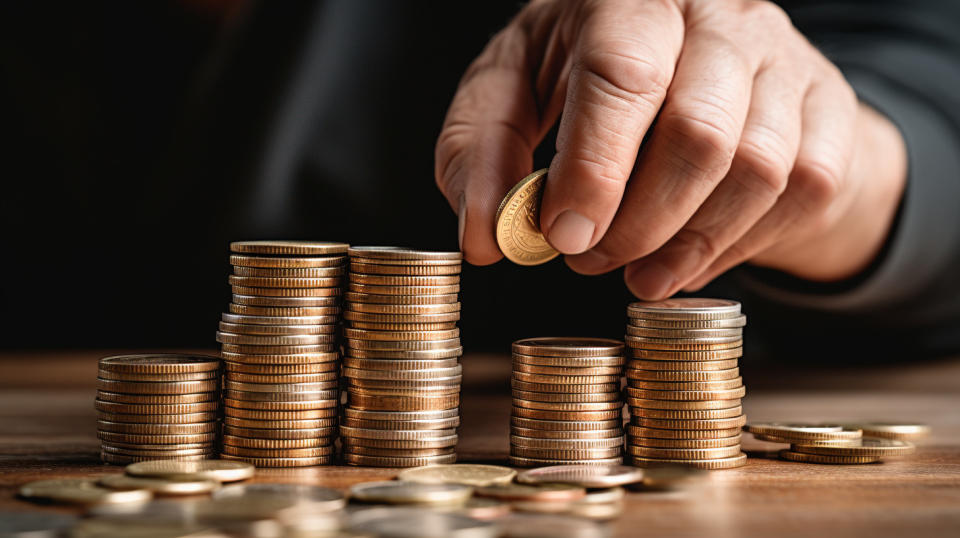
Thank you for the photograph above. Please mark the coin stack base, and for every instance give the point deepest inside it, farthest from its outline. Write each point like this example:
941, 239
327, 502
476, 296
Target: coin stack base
157, 407
400, 366
683, 385
279, 345
567, 405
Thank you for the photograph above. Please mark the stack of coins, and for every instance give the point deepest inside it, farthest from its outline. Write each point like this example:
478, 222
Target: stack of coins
684, 386
280, 352
567, 404
152, 407
400, 366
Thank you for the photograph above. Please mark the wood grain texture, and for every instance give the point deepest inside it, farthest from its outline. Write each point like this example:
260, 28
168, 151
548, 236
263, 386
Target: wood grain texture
47, 429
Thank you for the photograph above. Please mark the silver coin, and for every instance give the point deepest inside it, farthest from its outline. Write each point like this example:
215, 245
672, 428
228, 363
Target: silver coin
588, 476
418, 523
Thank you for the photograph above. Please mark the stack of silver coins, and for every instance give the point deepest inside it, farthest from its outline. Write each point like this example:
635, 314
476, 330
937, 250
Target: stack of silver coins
684, 385
156, 407
401, 363
567, 404
279, 344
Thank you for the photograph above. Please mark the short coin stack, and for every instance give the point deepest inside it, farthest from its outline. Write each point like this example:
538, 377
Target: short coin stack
155, 407
567, 404
832, 443
401, 363
279, 346
684, 385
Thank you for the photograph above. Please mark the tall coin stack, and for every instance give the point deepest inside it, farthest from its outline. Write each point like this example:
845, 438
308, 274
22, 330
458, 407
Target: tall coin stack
157, 407
683, 384
280, 352
567, 404
401, 364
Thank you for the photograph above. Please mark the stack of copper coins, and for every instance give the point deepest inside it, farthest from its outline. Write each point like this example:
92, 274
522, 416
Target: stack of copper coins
154, 407
400, 366
280, 352
684, 385
567, 404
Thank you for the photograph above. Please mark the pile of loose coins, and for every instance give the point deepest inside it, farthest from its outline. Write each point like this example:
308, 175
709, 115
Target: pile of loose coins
401, 357
839, 444
567, 404
280, 349
155, 407
683, 384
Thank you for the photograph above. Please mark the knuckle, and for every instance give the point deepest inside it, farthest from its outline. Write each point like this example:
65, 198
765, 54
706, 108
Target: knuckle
763, 166
600, 172
449, 155
699, 140
769, 14
613, 70
697, 242
818, 183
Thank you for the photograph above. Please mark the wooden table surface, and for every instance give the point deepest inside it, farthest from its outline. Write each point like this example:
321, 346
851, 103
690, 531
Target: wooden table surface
47, 429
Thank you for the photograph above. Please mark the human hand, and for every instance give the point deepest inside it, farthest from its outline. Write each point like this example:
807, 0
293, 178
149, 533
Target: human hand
760, 151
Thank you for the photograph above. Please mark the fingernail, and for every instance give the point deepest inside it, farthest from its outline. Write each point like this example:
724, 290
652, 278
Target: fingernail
461, 218
650, 280
590, 262
571, 232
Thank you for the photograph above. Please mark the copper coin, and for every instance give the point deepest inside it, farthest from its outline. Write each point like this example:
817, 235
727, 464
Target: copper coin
568, 347
284, 312
285, 302
357, 266
287, 262
163, 363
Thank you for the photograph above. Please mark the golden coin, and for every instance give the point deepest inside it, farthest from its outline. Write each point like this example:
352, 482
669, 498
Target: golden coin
444, 385
870, 447
277, 359
569, 406
566, 454
289, 248
329, 432
448, 441
160, 448
803, 431
430, 354
403, 403
567, 362
689, 308
310, 368
683, 377
683, 414
684, 453
223, 471
123, 459
681, 404
719, 355
402, 492
725, 323
281, 396
184, 418
380, 461
243, 349
651, 332
404, 270
285, 302
565, 388
163, 363
404, 309
81, 491
427, 374
156, 439
687, 395
566, 434
284, 312
279, 320
288, 340
724, 384
160, 388
207, 451
567, 397
285, 292
285, 282
518, 461
543, 414
286, 262
311, 452
311, 423
156, 429
659, 433
371, 289
831, 460
398, 452
270, 443
586, 427
154, 409
466, 474
280, 462
565, 379
568, 347
322, 378
707, 464
123, 376
292, 386
403, 326
585, 476
518, 223
435, 424
542, 492
328, 405
889, 430
289, 272
404, 280
566, 370
276, 330
681, 365
394, 434
690, 424
402, 253
396, 336
733, 440
411, 345
684, 344
400, 415
392, 365
352, 297
159, 486
566, 444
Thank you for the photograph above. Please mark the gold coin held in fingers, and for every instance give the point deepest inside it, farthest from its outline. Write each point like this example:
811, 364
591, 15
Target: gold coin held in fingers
518, 223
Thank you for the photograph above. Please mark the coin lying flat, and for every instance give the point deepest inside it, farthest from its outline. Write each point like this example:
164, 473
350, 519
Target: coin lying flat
869, 447
289, 248
223, 471
803, 431
518, 223
163, 363
532, 492
316, 498
159, 486
689, 308
708, 464
830, 460
587, 476
402, 492
467, 474
418, 523
891, 430
81, 491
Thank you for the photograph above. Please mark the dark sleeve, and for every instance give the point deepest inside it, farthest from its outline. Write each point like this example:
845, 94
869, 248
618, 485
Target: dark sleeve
902, 58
